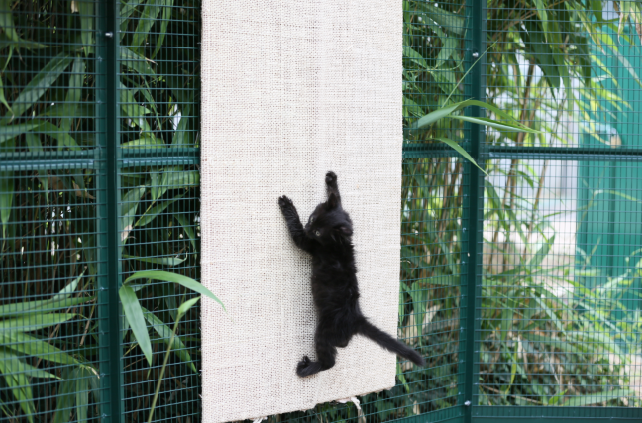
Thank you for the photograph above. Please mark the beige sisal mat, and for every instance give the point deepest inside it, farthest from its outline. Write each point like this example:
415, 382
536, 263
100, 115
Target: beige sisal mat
290, 90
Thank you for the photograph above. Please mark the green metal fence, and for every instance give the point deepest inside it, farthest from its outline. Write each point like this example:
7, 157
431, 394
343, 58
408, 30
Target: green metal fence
521, 287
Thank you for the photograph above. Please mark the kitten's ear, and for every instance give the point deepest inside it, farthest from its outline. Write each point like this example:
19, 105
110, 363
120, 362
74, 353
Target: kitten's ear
344, 230
333, 201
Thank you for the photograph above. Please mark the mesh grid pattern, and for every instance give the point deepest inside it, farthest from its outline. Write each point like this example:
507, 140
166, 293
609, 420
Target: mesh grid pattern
51, 233
560, 284
159, 196
557, 283
560, 294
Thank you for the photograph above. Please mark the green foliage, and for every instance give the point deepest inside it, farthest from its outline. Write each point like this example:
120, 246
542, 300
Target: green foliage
52, 218
137, 316
17, 347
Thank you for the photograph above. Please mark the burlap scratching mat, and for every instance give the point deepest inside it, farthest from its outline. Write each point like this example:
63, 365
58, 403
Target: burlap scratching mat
290, 90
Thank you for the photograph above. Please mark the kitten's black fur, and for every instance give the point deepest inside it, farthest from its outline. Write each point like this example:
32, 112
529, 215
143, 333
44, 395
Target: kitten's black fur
328, 237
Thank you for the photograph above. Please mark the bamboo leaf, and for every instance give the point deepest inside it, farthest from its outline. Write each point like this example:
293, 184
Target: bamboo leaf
41, 306
618, 193
9, 28
163, 261
447, 111
63, 138
583, 400
165, 18
3, 100
29, 345
15, 365
154, 186
189, 230
38, 85
95, 385
411, 108
86, 13
174, 277
145, 22
557, 397
447, 50
175, 178
20, 388
134, 111
184, 308
165, 333
65, 397
31, 322
9, 132
450, 21
145, 142
153, 212
6, 198
438, 114
68, 289
82, 398
414, 56
72, 97
452, 144
130, 201
134, 313
57, 302
137, 62
182, 135
627, 65
501, 126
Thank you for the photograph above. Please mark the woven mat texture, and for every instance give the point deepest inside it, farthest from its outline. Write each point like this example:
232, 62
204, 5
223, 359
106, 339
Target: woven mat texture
290, 90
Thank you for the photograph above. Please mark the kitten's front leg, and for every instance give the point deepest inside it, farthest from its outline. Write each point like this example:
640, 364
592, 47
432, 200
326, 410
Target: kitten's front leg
331, 184
294, 224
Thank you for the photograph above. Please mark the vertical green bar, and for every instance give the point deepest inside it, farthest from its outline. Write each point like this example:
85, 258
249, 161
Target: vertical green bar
473, 221
108, 237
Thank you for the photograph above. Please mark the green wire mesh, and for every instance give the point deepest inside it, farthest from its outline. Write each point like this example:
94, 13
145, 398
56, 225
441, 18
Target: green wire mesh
557, 287
159, 109
50, 360
562, 232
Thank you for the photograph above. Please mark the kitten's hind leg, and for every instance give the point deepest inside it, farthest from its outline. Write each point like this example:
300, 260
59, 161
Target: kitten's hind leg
325, 360
331, 184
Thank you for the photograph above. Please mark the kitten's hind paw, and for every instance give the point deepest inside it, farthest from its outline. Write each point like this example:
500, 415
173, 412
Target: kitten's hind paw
284, 202
331, 178
303, 366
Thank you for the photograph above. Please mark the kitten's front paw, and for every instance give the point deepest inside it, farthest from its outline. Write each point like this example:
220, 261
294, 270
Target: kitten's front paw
284, 202
331, 178
302, 366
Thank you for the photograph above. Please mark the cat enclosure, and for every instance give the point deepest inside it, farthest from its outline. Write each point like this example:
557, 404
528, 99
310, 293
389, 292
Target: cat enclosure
520, 283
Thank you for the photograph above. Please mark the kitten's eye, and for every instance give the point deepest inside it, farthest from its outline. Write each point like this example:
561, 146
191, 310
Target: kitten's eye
317, 233
312, 220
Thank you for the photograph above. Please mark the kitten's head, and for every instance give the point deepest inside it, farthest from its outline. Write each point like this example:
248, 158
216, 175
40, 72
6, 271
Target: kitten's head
329, 223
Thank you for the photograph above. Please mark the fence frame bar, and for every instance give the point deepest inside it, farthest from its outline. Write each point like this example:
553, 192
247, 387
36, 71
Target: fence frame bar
107, 44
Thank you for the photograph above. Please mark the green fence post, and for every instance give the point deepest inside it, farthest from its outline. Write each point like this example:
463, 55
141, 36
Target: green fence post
108, 236
473, 221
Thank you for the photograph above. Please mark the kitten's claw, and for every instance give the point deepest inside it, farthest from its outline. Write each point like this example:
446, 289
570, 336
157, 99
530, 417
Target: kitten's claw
331, 178
284, 201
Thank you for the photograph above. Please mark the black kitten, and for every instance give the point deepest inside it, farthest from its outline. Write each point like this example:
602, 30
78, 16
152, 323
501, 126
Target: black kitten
328, 237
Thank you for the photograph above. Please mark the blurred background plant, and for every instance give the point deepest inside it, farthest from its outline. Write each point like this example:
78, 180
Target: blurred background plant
547, 335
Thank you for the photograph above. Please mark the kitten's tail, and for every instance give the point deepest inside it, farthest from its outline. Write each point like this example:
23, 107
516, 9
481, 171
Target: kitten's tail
387, 342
